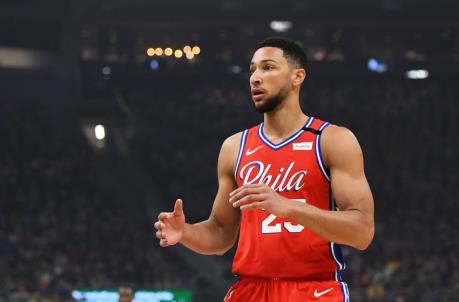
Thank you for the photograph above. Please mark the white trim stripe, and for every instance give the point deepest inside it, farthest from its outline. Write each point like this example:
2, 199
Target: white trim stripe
319, 154
266, 141
241, 149
345, 291
341, 264
286, 142
309, 123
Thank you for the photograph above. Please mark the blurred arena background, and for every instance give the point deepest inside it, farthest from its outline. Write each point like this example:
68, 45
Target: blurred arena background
106, 117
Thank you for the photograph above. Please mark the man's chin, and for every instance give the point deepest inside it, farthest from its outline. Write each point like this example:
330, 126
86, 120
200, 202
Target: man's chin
263, 107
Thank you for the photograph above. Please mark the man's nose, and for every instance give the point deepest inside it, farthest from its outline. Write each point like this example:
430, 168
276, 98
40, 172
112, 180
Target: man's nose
255, 79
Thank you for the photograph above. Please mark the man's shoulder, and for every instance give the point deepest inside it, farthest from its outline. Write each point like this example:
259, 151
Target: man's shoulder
229, 152
338, 142
336, 134
234, 140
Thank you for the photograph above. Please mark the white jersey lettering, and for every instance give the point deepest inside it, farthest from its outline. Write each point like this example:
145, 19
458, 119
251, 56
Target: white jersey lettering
257, 172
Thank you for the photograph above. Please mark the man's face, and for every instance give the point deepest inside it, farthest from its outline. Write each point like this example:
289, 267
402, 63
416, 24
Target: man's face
126, 294
270, 81
125, 298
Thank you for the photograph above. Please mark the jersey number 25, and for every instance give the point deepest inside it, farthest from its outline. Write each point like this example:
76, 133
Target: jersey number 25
267, 228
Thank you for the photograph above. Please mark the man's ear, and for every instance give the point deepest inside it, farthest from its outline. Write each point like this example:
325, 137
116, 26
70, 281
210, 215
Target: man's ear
298, 76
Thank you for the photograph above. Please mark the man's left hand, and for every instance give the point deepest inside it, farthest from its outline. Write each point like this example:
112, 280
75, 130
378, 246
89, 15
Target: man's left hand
260, 196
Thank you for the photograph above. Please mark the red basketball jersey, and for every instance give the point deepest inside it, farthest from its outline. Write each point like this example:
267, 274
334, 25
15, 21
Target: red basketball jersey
272, 247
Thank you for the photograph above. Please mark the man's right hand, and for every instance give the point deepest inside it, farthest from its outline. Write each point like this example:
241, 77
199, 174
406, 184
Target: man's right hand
170, 225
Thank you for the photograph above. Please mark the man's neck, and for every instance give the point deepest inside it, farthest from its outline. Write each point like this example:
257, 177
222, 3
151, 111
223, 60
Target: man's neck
283, 121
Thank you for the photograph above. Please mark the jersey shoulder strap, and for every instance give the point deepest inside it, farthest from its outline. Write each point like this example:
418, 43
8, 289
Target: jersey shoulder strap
316, 127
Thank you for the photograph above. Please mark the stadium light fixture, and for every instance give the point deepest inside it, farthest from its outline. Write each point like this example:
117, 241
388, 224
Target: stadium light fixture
154, 64
168, 51
99, 132
417, 74
196, 50
159, 51
106, 70
189, 55
376, 66
150, 52
281, 26
178, 53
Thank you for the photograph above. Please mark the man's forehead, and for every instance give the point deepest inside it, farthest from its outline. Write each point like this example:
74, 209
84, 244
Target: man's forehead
266, 54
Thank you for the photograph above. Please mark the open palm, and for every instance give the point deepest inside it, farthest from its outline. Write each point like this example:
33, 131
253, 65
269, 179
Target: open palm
170, 225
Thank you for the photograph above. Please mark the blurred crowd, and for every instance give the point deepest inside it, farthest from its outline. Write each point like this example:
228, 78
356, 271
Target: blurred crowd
62, 227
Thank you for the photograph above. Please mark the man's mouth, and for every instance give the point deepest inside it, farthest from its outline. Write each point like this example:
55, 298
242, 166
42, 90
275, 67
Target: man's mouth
257, 94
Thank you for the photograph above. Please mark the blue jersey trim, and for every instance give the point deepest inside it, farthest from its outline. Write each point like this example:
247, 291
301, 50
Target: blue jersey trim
335, 249
293, 137
241, 150
338, 255
319, 157
338, 277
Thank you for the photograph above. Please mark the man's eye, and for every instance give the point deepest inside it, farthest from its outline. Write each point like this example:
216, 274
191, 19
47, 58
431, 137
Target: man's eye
268, 67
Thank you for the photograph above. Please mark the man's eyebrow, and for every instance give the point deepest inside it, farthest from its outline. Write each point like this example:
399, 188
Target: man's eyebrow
264, 61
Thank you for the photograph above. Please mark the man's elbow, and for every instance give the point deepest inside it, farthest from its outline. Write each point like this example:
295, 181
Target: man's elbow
223, 250
226, 245
365, 239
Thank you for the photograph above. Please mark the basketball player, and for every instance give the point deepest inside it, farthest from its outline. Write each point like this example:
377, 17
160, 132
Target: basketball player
294, 189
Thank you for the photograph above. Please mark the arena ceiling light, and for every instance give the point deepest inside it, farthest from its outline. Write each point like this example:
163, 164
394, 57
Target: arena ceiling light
189, 55
281, 26
178, 53
417, 74
196, 50
187, 51
376, 66
154, 64
99, 132
150, 52
168, 52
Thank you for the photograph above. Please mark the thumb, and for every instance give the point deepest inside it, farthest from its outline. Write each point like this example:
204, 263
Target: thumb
178, 208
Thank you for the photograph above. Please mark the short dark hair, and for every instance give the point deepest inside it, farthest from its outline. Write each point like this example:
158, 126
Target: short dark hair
293, 52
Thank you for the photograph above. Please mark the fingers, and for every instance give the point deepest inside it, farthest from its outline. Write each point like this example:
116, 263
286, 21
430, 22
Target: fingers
248, 186
248, 193
178, 207
160, 230
247, 190
163, 243
249, 199
164, 215
253, 206
159, 225
161, 234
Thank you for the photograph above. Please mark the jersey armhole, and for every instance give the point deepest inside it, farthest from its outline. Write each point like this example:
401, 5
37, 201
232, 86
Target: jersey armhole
318, 151
241, 151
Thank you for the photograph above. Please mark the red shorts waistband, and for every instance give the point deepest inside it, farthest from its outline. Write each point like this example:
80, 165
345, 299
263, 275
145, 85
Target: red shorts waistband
319, 277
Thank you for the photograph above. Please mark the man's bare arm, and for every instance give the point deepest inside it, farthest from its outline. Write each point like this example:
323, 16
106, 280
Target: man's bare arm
353, 224
218, 233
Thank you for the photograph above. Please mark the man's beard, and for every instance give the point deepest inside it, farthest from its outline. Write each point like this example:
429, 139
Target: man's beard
273, 102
